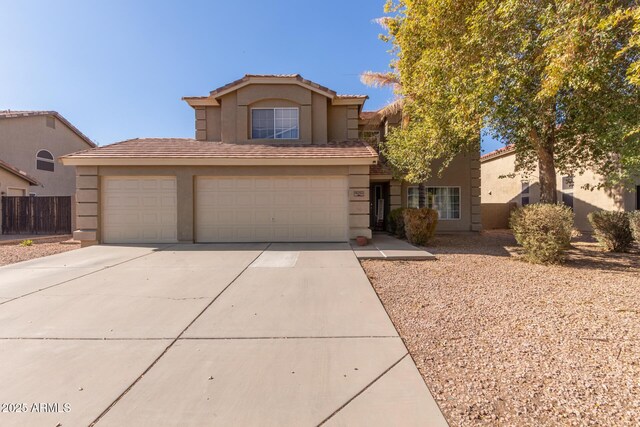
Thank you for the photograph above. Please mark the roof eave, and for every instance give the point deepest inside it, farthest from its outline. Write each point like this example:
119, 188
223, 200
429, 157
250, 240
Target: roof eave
217, 161
22, 175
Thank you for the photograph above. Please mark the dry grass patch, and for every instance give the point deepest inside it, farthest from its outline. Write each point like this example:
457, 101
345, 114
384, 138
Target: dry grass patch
503, 342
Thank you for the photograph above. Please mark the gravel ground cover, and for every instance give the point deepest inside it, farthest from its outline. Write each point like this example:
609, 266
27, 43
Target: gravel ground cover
503, 342
12, 253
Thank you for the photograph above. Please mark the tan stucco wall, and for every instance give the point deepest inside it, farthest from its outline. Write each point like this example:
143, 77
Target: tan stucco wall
89, 194
9, 180
22, 137
462, 172
508, 189
9, 184
319, 121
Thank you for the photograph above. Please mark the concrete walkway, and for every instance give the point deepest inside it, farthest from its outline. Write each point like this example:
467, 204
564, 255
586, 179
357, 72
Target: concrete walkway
199, 335
385, 246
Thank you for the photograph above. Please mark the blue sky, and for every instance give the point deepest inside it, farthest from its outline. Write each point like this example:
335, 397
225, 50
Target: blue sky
117, 69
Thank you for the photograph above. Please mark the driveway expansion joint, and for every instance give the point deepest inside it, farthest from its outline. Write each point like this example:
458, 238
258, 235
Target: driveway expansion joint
157, 359
83, 275
355, 396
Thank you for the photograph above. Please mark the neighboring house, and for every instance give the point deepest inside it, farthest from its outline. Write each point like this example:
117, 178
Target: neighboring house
33, 141
13, 182
455, 193
274, 158
521, 188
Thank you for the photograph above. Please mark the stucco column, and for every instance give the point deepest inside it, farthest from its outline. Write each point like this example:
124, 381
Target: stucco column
359, 202
88, 205
395, 191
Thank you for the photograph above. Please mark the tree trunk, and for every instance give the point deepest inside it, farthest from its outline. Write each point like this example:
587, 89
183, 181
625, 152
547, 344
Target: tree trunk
422, 196
547, 171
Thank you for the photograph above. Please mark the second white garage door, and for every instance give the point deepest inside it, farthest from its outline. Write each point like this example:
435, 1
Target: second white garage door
139, 210
271, 209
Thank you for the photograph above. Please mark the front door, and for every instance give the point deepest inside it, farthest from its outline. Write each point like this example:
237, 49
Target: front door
378, 205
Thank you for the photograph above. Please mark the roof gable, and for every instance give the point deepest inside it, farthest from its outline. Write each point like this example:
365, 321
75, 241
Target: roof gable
17, 172
296, 79
12, 114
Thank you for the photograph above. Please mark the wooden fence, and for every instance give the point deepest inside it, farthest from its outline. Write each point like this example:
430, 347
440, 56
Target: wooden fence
36, 214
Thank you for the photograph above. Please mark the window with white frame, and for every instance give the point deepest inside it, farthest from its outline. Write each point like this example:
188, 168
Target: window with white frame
413, 197
524, 193
445, 200
370, 135
274, 123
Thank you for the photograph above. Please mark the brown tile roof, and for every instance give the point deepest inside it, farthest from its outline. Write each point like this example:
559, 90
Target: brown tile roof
499, 152
380, 169
368, 115
14, 170
11, 114
191, 148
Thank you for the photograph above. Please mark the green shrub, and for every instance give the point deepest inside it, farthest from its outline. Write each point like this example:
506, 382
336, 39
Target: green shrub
26, 243
634, 222
611, 229
420, 224
395, 224
543, 230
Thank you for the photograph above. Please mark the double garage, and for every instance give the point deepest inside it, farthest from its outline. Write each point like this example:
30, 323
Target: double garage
145, 209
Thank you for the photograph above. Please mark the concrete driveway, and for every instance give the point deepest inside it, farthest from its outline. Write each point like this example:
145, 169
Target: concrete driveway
246, 334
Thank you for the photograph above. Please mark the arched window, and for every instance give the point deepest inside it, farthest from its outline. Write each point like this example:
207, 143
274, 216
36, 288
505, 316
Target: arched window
44, 161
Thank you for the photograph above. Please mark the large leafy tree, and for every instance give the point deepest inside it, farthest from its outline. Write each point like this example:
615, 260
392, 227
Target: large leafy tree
557, 79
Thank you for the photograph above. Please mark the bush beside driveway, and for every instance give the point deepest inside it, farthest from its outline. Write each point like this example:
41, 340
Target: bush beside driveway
501, 341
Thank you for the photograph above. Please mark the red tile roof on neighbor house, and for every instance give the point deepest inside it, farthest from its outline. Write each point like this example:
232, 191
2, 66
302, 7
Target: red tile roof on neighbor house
17, 172
499, 152
192, 148
12, 114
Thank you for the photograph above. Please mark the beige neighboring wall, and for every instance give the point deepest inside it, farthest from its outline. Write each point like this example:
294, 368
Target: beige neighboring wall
11, 184
496, 190
22, 137
89, 192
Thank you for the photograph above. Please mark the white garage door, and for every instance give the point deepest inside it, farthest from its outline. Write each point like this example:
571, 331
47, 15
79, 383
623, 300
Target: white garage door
271, 209
139, 210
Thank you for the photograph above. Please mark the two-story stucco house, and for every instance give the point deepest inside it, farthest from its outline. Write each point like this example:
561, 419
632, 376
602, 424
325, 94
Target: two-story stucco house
455, 193
501, 186
274, 158
32, 141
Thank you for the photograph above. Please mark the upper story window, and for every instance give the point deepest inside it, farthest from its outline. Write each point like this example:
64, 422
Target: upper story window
44, 161
567, 191
274, 123
370, 135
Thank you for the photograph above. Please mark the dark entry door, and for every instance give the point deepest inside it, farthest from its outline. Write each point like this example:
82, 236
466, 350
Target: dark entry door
378, 205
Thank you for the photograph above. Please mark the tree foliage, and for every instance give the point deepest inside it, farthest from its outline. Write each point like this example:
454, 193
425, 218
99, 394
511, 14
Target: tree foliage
558, 79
